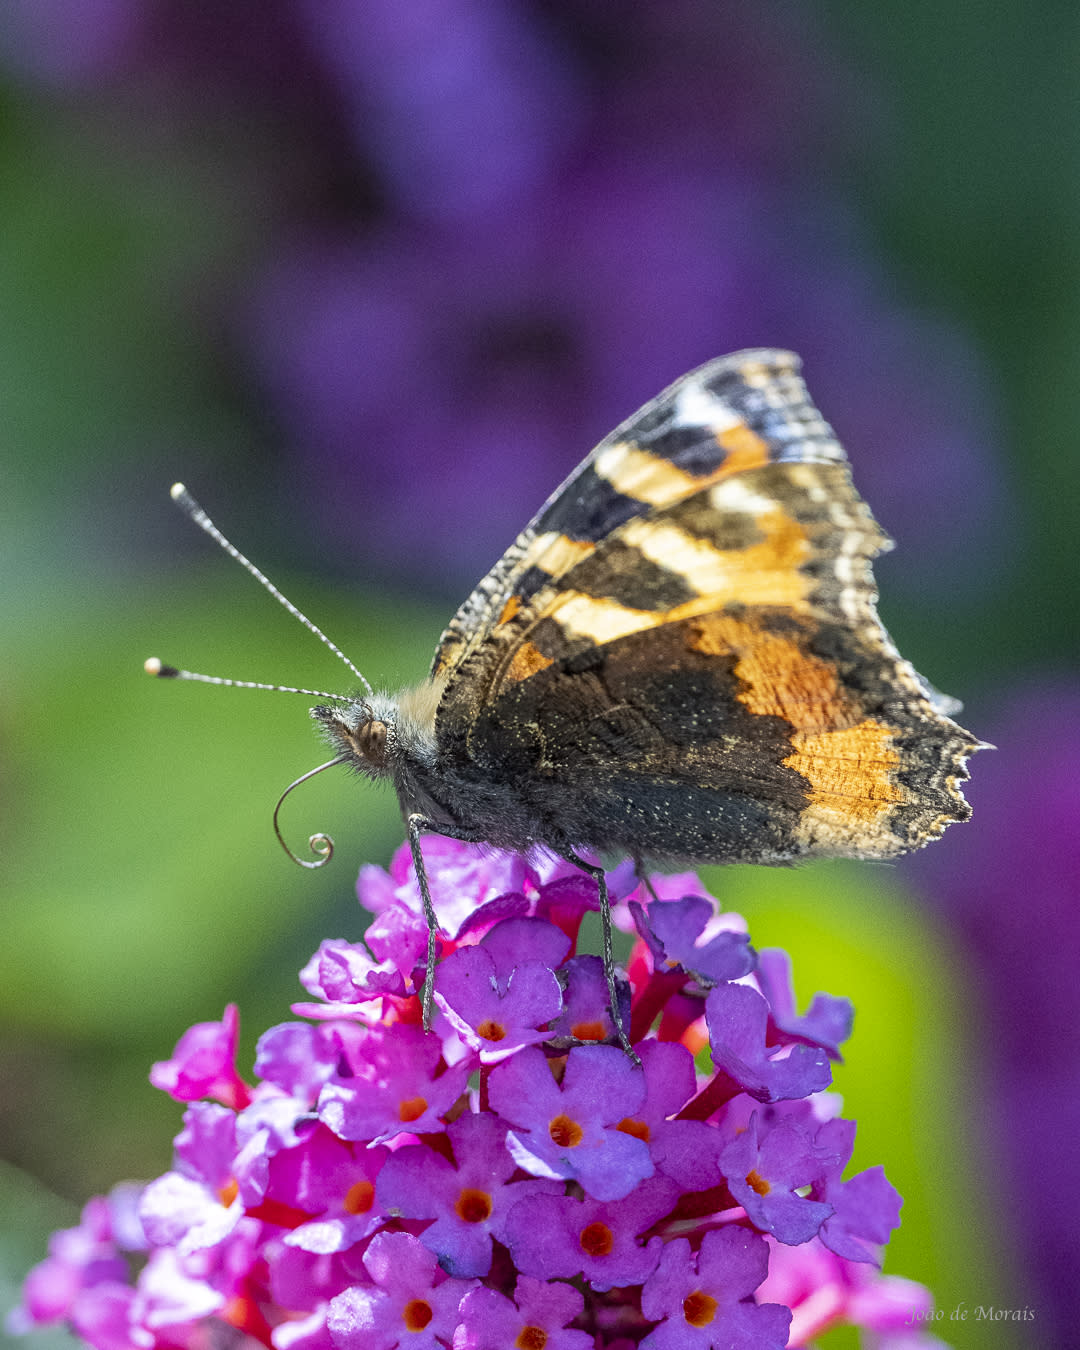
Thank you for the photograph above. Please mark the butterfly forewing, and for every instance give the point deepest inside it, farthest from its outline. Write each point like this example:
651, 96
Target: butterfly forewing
731, 415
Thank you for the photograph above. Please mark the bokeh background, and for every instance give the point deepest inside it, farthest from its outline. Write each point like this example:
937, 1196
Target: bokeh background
371, 276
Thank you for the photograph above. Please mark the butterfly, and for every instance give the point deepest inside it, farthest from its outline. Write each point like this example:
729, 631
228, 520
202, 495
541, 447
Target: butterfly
679, 659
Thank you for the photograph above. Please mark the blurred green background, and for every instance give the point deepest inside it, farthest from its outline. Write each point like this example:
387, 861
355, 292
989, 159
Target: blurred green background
371, 312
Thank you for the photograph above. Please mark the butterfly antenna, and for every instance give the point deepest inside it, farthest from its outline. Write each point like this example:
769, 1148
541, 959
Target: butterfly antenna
153, 665
320, 844
187, 503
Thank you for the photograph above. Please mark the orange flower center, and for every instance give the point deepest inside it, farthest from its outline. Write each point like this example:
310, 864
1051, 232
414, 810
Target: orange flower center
699, 1309
588, 1031
473, 1206
416, 1314
565, 1133
491, 1031
412, 1108
597, 1239
638, 1128
757, 1182
359, 1197
531, 1338
228, 1193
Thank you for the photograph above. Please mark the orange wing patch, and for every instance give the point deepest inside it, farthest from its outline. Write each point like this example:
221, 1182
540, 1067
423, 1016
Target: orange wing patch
848, 759
527, 661
854, 765
763, 573
746, 449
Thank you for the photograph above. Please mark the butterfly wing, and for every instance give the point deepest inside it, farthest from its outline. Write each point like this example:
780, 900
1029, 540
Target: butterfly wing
727, 416
709, 678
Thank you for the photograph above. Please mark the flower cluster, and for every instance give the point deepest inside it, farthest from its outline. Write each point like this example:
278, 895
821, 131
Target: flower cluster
511, 1178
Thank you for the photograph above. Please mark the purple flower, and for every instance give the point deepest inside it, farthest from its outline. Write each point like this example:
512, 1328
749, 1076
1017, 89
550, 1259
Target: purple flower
823, 1291
500, 994
516, 939
304, 1333
462, 877
586, 1011
560, 1237
826, 1023
573, 1129
765, 1167
333, 1182
536, 1316
204, 1064
405, 1302
738, 1020
398, 937
344, 972
80, 1260
395, 1088
866, 1208
199, 1204
698, 1297
687, 1151
687, 933
173, 1295
298, 1058
468, 1199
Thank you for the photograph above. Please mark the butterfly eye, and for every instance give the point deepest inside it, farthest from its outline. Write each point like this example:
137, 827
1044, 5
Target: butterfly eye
370, 742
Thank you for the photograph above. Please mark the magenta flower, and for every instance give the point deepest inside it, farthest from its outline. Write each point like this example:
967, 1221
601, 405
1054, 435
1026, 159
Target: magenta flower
560, 1236
468, 1199
765, 1167
738, 1020
408, 1302
382, 1187
573, 1130
698, 1298
537, 1315
395, 1087
499, 1005
204, 1064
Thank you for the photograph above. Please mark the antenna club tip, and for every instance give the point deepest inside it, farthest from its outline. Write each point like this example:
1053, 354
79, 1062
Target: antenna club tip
153, 665
177, 491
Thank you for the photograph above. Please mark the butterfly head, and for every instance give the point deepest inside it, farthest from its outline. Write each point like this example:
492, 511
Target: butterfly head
362, 731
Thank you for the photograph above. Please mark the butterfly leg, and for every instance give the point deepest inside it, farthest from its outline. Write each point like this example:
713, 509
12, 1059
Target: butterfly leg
644, 878
418, 825
597, 874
